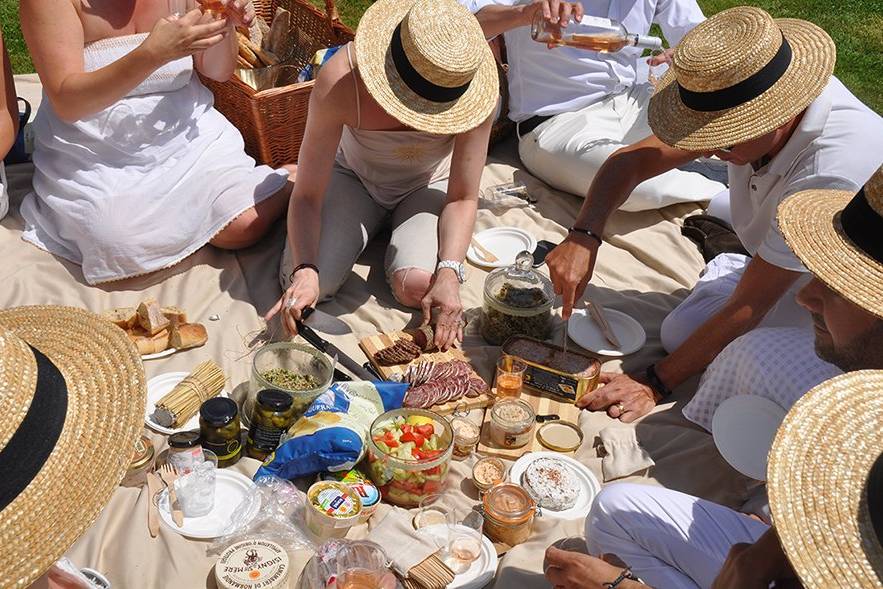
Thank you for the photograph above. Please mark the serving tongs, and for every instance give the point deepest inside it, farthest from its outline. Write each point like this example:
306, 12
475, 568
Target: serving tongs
362, 372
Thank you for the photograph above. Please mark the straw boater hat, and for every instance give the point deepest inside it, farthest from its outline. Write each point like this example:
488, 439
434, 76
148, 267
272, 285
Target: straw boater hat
737, 76
825, 483
427, 64
838, 235
72, 397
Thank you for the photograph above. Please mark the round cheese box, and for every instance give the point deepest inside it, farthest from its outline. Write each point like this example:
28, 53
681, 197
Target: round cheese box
252, 564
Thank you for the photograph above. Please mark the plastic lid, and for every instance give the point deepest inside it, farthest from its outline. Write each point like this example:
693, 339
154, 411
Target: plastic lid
184, 440
275, 399
218, 411
508, 501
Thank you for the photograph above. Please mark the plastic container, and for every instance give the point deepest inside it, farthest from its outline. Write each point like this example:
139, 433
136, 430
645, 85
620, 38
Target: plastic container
143, 459
512, 423
297, 358
332, 509
251, 564
517, 301
405, 482
362, 485
508, 514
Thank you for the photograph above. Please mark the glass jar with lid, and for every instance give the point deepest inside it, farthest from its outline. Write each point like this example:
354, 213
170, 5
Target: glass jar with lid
511, 423
508, 513
272, 416
185, 451
220, 431
517, 301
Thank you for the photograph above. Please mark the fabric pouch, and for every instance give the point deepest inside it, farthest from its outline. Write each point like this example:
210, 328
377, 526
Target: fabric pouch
396, 535
625, 456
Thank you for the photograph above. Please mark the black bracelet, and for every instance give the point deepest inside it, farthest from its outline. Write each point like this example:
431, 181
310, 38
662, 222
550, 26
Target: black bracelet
656, 383
587, 232
626, 574
300, 267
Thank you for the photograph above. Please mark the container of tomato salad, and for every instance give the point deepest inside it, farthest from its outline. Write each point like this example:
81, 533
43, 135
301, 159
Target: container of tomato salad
409, 454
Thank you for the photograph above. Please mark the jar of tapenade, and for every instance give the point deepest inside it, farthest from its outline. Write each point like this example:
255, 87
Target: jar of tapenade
272, 416
185, 451
508, 513
219, 430
511, 423
517, 301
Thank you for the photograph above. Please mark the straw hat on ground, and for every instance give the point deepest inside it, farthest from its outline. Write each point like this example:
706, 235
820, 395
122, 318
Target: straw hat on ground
72, 396
838, 235
737, 76
426, 62
825, 483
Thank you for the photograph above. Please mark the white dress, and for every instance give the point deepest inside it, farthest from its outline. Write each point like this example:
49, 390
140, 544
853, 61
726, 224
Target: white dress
144, 183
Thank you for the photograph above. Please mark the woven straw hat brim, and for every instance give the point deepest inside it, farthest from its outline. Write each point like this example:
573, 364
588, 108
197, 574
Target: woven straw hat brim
810, 223
376, 68
812, 64
817, 474
106, 392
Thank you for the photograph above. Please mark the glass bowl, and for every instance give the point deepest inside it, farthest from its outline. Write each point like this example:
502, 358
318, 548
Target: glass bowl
298, 358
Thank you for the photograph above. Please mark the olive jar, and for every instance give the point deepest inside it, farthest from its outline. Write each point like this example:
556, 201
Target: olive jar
220, 431
517, 301
272, 416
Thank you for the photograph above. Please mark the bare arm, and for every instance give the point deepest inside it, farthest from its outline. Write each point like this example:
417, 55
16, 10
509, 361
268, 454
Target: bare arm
219, 62
496, 19
9, 115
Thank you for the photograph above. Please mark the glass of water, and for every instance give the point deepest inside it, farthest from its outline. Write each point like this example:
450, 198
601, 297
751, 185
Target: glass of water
196, 490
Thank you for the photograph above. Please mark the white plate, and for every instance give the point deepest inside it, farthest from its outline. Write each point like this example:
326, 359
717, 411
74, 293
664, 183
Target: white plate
158, 355
588, 482
744, 427
230, 489
503, 242
157, 387
481, 571
585, 332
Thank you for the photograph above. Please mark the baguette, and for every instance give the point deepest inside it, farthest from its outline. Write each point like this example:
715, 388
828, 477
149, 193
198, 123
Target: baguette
278, 38
265, 57
257, 30
240, 61
150, 317
246, 53
187, 335
175, 315
123, 317
148, 344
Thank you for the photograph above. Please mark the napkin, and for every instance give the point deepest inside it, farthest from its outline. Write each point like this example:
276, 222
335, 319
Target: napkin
625, 455
398, 538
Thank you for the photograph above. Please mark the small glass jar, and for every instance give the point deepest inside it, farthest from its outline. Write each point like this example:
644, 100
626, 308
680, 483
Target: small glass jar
220, 431
517, 301
143, 459
512, 422
466, 435
185, 451
487, 472
508, 514
272, 416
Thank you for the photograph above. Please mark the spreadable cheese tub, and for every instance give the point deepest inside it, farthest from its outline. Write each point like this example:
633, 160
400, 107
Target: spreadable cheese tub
253, 564
332, 509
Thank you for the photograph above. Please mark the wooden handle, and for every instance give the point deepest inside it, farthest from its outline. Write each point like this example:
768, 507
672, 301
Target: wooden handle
177, 515
597, 312
153, 487
485, 253
331, 11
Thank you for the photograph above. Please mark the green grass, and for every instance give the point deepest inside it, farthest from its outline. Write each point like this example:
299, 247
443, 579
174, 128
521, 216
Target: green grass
855, 25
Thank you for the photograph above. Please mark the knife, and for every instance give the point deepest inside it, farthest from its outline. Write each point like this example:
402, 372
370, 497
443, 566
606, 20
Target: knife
326, 347
153, 487
597, 312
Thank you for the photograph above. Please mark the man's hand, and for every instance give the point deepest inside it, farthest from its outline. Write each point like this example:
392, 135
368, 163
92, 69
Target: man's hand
444, 295
570, 268
661, 58
556, 11
623, 396
574, 570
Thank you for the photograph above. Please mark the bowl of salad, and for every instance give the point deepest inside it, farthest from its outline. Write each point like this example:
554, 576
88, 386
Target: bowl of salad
409, 453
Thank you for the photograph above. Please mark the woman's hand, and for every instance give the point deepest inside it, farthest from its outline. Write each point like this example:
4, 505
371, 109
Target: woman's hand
238, 12
623, 397
174, 38
444, 295
303, 293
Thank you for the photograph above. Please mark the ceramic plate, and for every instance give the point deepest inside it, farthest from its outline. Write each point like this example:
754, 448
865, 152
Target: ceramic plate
230, 489
482, 569
503, 242
157, 387
588, 482
744, 427
158, 355
585, 332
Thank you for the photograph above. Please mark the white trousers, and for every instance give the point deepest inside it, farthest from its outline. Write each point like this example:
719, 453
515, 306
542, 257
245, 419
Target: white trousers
669, 539
711, 293
567, 150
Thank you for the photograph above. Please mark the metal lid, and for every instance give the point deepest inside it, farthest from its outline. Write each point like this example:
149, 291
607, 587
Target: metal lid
188, 439
275, 399
218, 411
560, 436
143, 453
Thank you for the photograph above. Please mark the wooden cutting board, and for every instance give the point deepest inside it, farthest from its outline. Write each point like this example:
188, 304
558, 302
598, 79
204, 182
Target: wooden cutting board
373, 344
542, 405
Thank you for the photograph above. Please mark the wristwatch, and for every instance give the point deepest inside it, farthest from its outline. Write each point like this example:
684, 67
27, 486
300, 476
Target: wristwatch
458, 268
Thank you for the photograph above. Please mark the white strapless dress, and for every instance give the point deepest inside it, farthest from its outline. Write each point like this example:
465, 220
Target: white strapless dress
144, 183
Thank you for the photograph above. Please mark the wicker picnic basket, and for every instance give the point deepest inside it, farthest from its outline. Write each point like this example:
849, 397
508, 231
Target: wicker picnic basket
272, 121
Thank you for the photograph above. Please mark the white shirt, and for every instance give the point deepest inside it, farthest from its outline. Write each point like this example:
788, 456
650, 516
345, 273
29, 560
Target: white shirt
546, 81
837, 145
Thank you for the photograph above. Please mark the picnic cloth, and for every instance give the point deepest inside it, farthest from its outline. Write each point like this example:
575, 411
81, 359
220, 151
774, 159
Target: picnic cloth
644, 269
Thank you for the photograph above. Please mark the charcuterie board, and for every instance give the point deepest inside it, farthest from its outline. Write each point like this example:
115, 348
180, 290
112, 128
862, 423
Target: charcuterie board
373, 344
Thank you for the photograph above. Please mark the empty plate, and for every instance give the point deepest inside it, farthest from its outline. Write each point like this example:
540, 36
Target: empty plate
504, 242
744, 428
585, 332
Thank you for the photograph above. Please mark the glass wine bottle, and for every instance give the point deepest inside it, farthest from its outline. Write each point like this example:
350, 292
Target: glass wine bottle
591, 32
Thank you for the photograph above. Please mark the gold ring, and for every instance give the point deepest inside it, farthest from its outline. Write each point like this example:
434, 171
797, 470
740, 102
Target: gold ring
621, 408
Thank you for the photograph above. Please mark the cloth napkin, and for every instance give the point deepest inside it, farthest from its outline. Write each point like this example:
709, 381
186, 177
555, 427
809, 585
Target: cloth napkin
396, 535
625, 455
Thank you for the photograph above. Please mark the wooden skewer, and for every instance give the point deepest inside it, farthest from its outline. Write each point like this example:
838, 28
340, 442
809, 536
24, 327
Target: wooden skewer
597, 313
485, 253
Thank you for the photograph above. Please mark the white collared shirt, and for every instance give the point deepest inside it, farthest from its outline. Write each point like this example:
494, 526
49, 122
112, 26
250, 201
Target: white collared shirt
837, 145
546, 81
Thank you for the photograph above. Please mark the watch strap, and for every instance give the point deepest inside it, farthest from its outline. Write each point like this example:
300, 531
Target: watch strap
300, 267
454, 265
656, 383
586, 232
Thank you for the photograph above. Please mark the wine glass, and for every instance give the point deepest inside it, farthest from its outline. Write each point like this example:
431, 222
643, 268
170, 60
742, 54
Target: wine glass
178, 8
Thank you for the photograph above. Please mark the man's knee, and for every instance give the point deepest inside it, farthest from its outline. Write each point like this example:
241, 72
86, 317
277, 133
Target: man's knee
409, 286
678, 326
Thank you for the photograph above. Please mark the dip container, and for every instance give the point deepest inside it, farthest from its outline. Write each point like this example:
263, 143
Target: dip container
332, 509
483, 467
143, 459
361, 485
466, 436
549, 370
185, 451
508, 513
253, 564
511, 423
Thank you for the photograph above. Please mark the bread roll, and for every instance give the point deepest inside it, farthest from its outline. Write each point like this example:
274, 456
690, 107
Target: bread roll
150, 317
175, 315
148, 344
123, 317
187, 335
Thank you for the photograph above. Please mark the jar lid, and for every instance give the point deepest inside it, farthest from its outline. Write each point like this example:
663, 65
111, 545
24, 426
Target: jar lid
252, 564
513, 412
519, 287
508, 501
184, 440
275, 399
143, 453
218, 411
560, 436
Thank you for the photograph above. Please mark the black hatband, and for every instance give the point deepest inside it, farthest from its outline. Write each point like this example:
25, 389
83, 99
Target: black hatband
36, 436
741, 92
863, 226
412, 78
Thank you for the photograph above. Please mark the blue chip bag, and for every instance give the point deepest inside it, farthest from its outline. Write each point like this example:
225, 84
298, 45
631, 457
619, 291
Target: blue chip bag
332, 432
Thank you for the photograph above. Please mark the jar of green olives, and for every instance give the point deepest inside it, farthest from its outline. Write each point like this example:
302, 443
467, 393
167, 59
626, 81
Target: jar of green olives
272, 416
220, 431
